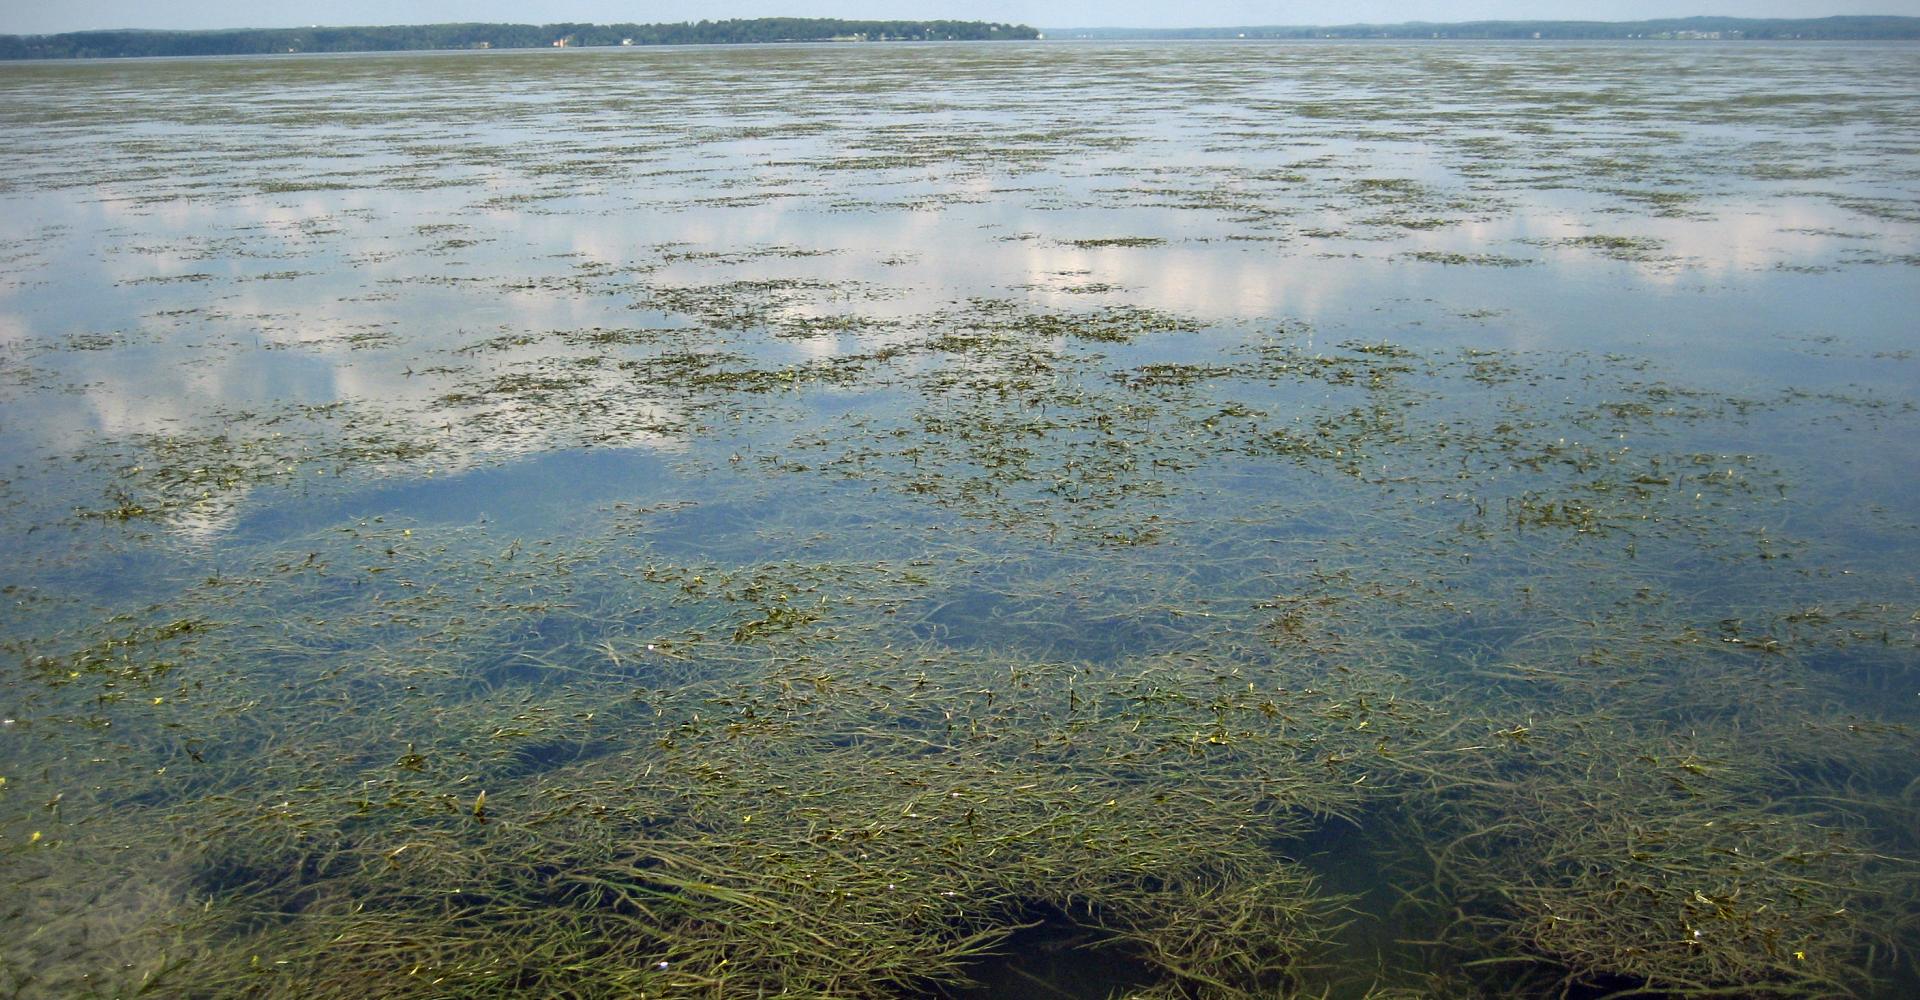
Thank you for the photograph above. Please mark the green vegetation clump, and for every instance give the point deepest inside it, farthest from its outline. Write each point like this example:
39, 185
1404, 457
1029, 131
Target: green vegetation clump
1117, 241
1473, 259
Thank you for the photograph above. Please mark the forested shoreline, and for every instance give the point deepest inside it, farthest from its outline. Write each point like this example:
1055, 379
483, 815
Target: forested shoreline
402, 38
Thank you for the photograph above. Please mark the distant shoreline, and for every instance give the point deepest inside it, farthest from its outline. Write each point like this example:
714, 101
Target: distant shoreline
138, 43
1841, 28
132, 43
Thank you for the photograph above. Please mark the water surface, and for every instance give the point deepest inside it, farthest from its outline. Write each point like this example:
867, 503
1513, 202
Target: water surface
1184, 519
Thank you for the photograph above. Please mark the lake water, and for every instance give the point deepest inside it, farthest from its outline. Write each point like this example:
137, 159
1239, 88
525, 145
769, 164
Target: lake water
1163, 520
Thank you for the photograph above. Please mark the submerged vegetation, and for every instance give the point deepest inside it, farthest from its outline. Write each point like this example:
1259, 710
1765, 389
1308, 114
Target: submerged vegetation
831, 538
579, 765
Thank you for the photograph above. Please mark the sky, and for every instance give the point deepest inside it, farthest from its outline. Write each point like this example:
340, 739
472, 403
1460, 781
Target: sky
48, 16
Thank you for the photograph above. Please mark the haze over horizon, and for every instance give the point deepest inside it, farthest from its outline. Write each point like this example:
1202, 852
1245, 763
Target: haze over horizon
85, 15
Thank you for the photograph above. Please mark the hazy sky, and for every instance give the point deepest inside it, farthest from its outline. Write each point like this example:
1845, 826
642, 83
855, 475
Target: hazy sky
44, 16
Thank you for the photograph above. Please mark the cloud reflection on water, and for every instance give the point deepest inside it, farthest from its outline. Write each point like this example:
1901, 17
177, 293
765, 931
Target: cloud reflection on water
361, 256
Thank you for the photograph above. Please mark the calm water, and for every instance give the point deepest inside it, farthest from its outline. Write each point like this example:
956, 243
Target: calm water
1173, 520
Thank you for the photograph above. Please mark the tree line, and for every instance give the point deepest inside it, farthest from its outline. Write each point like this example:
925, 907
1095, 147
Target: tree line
400, 38
1857, 28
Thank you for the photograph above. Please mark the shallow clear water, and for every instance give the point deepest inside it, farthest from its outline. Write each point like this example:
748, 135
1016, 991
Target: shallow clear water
1190, 485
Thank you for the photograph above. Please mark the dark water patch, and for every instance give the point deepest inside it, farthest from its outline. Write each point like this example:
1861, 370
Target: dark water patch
530, 759
268, 884
1386, 940
1052, 956
1069, 626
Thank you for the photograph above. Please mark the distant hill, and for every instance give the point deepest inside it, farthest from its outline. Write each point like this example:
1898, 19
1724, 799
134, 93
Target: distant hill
1857, 28
397, 38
